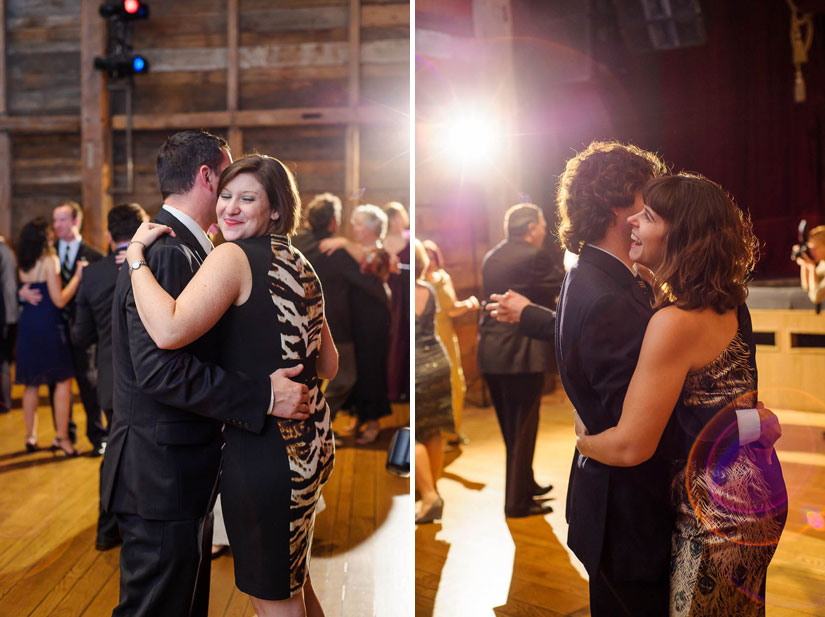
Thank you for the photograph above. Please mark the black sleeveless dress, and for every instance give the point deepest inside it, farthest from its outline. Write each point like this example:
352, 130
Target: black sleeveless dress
271, 482
730, 503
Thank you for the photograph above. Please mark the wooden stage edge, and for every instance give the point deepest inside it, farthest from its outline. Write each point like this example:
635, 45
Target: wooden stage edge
48, 512
478, 563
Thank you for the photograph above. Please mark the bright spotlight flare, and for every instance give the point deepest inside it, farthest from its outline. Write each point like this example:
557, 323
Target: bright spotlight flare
471, 136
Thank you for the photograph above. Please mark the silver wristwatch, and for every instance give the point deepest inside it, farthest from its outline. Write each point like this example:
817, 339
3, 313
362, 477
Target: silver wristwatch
136, 264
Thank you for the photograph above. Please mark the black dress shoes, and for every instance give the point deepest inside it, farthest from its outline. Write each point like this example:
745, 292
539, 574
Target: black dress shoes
538, 491
98, 449
104, 544
530, 509
433, 513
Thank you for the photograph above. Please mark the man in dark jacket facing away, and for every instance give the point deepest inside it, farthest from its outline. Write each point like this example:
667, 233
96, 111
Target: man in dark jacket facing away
512, 364
93, 325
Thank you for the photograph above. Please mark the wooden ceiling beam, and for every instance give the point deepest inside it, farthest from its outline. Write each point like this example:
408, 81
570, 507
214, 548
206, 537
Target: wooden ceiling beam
261, 118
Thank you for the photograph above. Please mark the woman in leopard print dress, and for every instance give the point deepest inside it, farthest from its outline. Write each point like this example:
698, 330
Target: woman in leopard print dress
271, 311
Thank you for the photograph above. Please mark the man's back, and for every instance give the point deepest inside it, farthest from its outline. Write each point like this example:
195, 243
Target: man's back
93, 320
528, 270
338, 273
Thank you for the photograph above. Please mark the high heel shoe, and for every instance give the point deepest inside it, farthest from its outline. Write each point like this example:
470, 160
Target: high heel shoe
369, 434
58, 445
432, 514
31, 443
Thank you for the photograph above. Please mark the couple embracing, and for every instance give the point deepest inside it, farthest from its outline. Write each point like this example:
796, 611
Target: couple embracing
676, 499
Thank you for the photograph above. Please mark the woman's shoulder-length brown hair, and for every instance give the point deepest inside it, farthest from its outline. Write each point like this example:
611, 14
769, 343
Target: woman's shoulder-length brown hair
710, 250
279, 185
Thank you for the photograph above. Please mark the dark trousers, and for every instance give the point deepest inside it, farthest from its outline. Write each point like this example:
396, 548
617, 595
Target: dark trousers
106, 521
339, 389
86, 376
516, 399
164, 567
616, 598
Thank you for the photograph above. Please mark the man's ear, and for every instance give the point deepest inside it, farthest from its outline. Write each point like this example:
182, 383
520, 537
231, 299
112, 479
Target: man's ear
205, 174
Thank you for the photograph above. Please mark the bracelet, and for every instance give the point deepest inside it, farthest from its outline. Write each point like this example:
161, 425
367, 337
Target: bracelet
131, 242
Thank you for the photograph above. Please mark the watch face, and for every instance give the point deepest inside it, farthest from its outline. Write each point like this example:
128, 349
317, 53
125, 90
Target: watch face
136, 264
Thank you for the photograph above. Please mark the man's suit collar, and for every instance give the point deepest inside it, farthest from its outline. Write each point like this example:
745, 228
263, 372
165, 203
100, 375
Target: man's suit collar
181, 232
617, 271
608, 263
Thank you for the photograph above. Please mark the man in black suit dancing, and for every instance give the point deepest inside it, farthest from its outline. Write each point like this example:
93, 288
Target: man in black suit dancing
93, 325
620, 520
513, 365
162, 462
67, 219
338, 273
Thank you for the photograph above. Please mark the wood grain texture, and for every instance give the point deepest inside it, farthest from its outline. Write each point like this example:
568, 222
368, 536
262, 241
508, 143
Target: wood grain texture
48, 511
476, 562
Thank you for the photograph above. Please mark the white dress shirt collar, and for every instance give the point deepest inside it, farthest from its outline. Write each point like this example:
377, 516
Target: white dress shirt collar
191, 225
598, 248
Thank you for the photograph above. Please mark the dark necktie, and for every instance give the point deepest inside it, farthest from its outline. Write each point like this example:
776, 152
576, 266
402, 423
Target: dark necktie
65, 272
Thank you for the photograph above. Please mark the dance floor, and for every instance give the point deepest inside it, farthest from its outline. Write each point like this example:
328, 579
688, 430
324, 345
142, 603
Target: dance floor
48, 512
478, 563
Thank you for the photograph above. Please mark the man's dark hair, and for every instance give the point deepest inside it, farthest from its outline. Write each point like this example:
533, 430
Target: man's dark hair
605, 176
518, 218
181, 156
123, 221
322, 210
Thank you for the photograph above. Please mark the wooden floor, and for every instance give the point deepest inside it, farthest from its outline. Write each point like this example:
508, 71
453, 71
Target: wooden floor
48, 511
478, 563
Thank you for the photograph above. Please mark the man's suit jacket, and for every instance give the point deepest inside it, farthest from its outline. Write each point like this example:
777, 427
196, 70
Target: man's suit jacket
90, 254
338, 273
93, 320
164, 450
516, 265
619, 518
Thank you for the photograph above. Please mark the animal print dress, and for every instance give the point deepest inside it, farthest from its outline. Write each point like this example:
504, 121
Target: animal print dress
271, 482
730, 501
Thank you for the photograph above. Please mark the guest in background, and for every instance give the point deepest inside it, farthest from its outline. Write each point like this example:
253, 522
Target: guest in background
397, 244
339, 274
433, 394
9, 311
67, 219
812, 265
93, 325
43, 353
451, 307
371, 319
513, 365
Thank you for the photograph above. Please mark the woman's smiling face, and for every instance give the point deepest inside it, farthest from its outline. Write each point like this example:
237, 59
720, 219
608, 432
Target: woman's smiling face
648, 232
243, 209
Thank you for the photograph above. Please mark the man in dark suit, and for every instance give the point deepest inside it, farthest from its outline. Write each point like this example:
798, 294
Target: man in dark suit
162, 462
93, 325
338, 273
620, 518
513, 365
67, 219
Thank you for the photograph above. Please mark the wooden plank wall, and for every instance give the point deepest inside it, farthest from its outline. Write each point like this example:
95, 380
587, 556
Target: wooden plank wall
278, 85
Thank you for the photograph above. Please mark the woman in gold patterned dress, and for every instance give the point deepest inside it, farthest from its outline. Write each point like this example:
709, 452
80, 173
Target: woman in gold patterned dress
451, 307
697, 360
